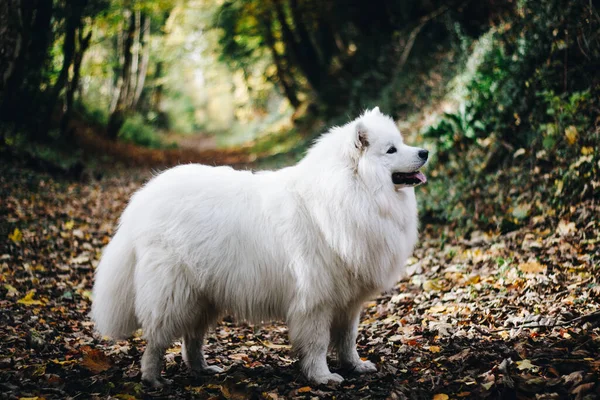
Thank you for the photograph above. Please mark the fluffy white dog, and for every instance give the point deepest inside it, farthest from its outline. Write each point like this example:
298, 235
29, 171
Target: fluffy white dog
307, 244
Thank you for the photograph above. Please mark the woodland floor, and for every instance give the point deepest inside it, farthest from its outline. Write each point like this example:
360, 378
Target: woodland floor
495, 316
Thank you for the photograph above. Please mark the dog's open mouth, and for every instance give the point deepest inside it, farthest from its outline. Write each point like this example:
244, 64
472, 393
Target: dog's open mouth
409, 178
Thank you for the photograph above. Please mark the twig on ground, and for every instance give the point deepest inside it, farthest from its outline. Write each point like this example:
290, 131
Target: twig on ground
592, 315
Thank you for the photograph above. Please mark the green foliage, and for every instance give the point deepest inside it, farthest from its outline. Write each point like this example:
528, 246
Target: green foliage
521, 137
92, 113
136, 130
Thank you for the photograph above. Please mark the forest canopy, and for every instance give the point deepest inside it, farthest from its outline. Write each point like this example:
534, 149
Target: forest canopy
488, 85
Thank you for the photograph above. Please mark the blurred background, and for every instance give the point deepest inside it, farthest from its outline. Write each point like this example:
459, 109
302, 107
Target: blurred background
505, 93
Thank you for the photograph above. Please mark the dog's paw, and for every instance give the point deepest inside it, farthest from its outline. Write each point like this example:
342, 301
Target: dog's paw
206, 370
212, 369
364, 367
327, 379
157, 382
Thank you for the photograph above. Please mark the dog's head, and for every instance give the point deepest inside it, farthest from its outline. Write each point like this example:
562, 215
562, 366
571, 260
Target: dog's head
380, 153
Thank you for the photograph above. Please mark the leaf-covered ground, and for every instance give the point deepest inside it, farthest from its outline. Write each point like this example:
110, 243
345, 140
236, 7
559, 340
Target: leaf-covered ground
488, 316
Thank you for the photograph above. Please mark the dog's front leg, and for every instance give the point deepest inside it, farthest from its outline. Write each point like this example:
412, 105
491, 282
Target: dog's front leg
309, 334
344, 331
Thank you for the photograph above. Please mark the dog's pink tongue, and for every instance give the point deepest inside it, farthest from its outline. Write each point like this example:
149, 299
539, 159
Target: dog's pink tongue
421, 176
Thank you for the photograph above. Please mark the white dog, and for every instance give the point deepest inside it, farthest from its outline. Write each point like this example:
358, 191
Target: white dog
307, 244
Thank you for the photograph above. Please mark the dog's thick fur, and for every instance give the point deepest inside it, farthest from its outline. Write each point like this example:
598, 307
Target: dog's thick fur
307, 244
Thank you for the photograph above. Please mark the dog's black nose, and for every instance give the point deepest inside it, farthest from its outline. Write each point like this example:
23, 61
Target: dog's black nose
423, 154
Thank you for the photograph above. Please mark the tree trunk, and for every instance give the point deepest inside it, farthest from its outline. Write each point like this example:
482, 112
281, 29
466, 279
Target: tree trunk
21, 85
117, 117
135, 61
302, 53
72, 24
83, 44
143, 70
287, 84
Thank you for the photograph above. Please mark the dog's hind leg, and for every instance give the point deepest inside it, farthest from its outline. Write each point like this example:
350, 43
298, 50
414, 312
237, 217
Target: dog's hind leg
152, 362
309, 334
344, 331
193, 342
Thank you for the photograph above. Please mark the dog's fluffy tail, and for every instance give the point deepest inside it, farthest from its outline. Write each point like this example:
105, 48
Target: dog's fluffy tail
113, 305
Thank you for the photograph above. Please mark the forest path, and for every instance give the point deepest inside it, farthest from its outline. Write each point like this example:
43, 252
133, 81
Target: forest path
456, 327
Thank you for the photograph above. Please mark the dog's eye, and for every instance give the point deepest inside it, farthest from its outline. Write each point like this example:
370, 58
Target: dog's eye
391, 150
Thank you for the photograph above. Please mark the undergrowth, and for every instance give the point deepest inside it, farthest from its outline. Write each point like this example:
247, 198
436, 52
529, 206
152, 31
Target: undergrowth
522, 139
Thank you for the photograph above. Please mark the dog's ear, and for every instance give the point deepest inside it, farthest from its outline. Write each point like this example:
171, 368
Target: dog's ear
361, 141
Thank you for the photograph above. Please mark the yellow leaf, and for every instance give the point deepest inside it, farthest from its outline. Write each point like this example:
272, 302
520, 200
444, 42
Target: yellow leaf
123, 396
29, 301
571, 134
65, 362
441, 396
587, 150
69, 225
304, 389
30, 398
430, 285
16, 236
40, 370
12, 291
525, 364
270, 345
435, 349
532, 267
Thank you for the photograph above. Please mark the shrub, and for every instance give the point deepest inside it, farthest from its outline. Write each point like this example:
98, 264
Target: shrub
135, 130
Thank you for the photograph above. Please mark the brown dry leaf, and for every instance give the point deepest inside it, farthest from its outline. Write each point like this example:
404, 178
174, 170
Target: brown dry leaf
304, 389
532, 267
459, 356
574, 377
441, 396
95, 360
583, 388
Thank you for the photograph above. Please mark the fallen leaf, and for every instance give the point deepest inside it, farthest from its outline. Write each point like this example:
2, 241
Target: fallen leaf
435, 349
29, 301
583, 388
95, 360
532, 267
441, 396
525, 364
270, 345
304, 389
124, 396
574, 377
11, 290
65, 362
430, 285
16, 236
